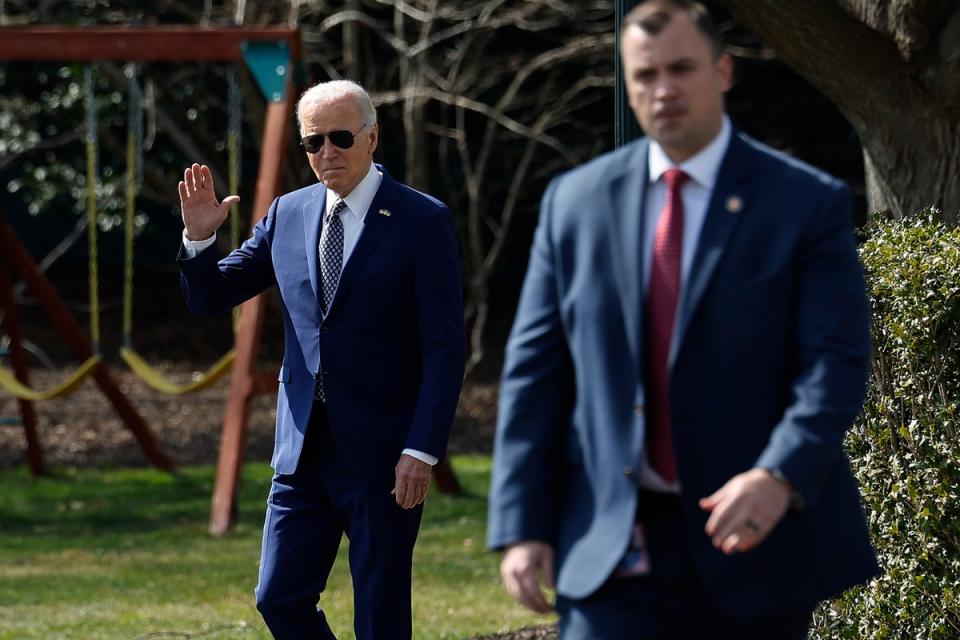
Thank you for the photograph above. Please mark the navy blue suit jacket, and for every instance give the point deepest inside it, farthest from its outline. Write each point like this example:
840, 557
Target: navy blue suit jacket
770, 371
391, 347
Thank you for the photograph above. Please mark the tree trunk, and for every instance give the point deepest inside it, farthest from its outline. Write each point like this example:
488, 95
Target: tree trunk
351, 44
913, 163
415, 134
895, 81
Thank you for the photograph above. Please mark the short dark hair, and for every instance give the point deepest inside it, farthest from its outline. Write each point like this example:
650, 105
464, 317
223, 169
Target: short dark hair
651, 16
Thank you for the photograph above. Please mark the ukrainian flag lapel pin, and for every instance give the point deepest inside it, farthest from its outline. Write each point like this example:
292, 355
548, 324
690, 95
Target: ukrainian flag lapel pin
385, 212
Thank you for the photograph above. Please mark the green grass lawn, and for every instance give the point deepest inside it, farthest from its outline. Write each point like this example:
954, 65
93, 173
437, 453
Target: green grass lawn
94, 554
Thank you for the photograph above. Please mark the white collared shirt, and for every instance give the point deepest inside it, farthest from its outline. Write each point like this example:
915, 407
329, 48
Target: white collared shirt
352, 217
702, 168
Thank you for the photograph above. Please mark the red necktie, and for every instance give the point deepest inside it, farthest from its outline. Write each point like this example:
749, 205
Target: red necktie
663, 293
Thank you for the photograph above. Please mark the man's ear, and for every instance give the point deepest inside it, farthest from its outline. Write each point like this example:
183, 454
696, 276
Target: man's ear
725, 69
374, 137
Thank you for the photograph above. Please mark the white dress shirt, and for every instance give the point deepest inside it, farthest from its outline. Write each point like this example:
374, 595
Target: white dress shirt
352, 217
702, 168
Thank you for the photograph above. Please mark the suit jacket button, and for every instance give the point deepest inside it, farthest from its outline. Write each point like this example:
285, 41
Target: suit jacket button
638, 410
628, 471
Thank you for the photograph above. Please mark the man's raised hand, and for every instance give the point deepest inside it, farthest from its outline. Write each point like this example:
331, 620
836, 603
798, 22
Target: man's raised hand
202, 214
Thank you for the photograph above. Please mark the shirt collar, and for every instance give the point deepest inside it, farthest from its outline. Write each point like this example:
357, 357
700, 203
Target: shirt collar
360, 199
702, 167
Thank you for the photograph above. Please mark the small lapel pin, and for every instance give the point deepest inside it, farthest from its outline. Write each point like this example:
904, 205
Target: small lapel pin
734, 204
385, 212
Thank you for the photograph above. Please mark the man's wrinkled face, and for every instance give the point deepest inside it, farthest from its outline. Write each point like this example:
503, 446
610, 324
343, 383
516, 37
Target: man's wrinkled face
675, 85
340, 170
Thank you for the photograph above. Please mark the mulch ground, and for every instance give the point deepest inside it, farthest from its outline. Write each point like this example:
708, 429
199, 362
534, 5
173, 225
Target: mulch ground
82, 429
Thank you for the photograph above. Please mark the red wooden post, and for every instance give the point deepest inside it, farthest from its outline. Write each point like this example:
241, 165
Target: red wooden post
247, 342
446, 479
11, 324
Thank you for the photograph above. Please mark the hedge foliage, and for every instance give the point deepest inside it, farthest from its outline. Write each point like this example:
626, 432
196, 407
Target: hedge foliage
904, 447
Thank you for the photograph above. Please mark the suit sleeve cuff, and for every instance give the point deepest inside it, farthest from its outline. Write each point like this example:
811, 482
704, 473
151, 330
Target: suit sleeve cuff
192, 247
422, 457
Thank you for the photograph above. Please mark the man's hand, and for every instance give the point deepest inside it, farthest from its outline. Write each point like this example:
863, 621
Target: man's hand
202, 214
745, 510
412, 481
524, 566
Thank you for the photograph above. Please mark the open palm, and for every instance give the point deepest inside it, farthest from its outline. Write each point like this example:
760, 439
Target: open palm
202, 214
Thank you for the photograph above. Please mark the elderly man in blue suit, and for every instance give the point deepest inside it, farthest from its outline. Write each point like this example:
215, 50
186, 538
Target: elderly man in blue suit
691, 344
368, 273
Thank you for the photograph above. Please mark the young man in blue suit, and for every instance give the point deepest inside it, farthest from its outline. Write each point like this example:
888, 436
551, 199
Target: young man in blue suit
368, 273
690, 346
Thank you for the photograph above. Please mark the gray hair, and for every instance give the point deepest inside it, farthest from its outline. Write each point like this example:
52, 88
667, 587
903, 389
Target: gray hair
333, 90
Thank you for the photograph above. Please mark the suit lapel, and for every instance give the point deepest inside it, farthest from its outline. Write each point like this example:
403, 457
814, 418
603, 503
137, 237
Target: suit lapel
375, 224
312, 223
627, 196
729, 202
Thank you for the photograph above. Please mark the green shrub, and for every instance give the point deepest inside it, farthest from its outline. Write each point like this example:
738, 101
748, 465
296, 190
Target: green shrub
904, 448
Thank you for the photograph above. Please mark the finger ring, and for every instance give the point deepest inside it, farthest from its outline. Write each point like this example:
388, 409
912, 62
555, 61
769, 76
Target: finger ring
753, 526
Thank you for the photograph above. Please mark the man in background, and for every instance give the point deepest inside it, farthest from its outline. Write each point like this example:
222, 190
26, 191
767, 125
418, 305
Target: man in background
691, 344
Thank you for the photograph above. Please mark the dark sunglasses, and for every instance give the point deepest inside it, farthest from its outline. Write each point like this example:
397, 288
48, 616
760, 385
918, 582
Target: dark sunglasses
342, 139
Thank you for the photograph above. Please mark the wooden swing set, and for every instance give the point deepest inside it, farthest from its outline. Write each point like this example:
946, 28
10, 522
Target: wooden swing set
270, 54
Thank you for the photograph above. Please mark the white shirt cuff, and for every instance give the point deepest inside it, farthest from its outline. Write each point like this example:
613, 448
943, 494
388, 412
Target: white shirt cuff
422, 457
192, 247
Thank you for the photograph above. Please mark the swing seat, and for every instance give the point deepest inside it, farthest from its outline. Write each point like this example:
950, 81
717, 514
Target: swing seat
156, 381
9, 383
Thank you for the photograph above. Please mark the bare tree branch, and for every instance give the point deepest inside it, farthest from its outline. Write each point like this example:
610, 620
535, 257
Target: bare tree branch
407, 9
389, 97
571, 50
173, 130
55, 254
341, 17
46, 143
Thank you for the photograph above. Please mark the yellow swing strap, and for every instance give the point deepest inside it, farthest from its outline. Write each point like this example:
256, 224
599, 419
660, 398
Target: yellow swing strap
156, 381
138, 365
9, 381
10, 384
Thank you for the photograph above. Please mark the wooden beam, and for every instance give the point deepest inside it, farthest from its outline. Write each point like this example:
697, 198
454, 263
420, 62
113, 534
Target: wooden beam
137, 44
247, 342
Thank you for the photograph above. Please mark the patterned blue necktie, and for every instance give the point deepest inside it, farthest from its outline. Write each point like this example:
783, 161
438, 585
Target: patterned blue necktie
331, 263
331, 254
